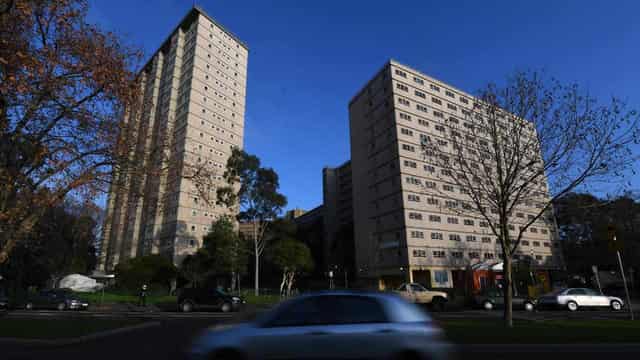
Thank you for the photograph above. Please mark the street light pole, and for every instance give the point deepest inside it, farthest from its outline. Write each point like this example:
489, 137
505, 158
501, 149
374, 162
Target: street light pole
624, 280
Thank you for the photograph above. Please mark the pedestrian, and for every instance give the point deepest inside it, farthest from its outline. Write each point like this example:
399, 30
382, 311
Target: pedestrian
142, 299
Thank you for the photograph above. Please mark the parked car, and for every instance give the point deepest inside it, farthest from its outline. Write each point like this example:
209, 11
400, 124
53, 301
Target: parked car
418, 294
330, 325
494, 298
575, 298
191, 299
56, 299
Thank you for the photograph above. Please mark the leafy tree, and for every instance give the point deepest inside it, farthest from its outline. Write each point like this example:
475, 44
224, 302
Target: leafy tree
228, 250
253, 190
150, 269
292, 257
515, 139
63, 86
196, 268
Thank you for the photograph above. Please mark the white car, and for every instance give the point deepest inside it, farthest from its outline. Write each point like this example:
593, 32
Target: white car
576, 298
332, 325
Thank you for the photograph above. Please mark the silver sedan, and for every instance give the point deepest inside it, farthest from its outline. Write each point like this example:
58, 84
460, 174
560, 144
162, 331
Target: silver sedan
575, 298
345, 325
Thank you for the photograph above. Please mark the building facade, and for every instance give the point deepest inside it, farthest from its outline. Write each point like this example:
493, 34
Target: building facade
337, 192
398, 237
192, 114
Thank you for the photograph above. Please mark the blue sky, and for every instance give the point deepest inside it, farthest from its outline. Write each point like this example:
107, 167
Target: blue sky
308, 58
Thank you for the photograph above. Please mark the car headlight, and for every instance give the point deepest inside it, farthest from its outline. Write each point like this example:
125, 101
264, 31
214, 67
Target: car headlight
236, 299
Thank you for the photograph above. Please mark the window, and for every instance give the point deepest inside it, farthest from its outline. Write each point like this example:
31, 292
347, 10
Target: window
489, 256
430, 184
447, 187
464, 100
423, 122
439, 128
422, 108
538, 257
402, 87
415, 216
406, 131
438, 114
438, 254
483, 224
533, 230
417, 234
401, 73
452, 107
486, 239
449, 93
436, 101
414, 198
405, 116
434, 218
410, 164
452, 220
403, 101
470, 238
420, 94
419, 253
536, 243
525, 243
451, 204
469, 222
520, 215
418, 81
474, 255
456, 254
544, 231
434, 87
432, 201
436, 236
408, 147
454, 237
546, 244
429, 168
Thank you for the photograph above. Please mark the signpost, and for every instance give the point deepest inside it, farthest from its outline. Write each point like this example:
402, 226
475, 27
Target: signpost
595, 272
616, 245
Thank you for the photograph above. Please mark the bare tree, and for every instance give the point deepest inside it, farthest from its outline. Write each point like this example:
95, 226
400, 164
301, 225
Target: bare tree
519, 147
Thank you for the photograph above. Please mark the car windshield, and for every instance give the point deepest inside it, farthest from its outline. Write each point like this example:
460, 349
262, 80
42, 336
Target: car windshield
417, 287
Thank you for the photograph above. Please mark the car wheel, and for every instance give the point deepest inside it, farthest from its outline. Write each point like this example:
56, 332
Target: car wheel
572, 306
61, 306
487, 305
28, 306
528, 306
616, 305
186, 306
226, 307
438, 304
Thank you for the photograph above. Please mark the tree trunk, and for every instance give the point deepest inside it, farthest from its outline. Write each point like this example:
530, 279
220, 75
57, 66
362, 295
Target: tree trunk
290, 282
233, 281
256, 279
508, 292
283, 282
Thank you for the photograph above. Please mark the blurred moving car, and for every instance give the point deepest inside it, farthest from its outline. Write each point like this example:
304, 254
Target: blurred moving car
494, 298
418, 294
573, 299
330, 325
56, 299
192, 299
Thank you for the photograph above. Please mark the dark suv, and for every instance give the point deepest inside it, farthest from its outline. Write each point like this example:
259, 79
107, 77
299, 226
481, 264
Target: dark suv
190, 299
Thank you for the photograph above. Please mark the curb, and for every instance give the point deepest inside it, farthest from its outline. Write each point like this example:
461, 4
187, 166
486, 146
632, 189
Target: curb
81, 339
550, 348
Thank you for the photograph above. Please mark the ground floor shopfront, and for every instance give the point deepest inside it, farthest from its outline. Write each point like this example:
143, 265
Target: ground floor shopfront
471, 279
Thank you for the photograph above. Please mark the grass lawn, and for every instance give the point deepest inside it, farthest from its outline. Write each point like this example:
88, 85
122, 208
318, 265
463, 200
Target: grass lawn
261, 300
544, 332
58, 328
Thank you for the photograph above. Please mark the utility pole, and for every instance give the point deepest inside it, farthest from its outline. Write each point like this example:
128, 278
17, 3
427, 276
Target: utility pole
616, 245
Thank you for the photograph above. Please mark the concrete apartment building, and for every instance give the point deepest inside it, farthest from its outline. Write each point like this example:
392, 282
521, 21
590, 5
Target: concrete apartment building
194, 90
337, 192
399, 240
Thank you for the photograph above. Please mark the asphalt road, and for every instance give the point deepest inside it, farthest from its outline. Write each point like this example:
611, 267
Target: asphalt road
173, 336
